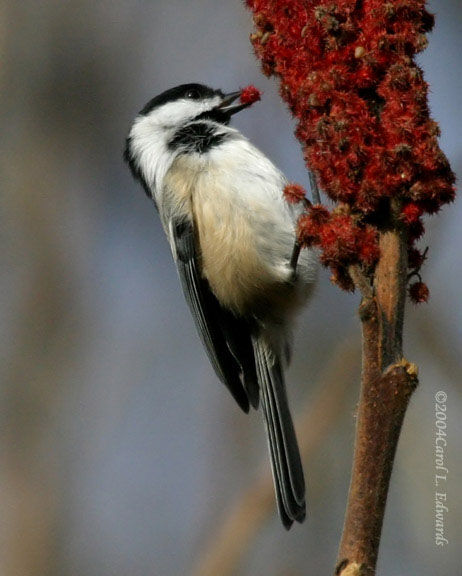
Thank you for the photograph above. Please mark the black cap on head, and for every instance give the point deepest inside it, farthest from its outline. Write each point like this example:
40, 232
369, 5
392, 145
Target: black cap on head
188, 91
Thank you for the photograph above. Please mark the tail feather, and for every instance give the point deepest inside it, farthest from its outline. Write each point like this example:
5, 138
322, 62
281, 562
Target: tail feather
284, 453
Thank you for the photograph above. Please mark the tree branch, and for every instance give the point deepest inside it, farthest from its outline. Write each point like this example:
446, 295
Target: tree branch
386, 387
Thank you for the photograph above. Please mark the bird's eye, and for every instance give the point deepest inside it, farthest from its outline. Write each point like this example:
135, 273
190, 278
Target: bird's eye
193, 94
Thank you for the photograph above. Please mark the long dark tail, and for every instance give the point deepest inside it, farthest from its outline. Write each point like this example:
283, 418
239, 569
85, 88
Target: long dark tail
285, 456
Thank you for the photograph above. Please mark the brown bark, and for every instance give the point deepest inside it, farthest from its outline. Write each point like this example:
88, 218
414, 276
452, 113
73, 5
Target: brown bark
387, 383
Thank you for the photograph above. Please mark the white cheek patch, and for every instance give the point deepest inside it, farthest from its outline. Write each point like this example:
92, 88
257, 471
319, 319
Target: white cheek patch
151, 133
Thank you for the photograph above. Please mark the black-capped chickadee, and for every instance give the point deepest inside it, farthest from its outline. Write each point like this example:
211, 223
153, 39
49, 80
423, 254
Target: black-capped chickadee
232, 237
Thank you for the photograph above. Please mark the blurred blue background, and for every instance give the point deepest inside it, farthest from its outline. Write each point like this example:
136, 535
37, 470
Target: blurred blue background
120, 453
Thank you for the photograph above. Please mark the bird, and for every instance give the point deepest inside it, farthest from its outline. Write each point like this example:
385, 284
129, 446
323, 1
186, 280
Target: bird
233, 239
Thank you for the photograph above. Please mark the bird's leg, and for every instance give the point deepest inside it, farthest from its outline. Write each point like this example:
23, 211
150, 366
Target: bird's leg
307, 204
294, 258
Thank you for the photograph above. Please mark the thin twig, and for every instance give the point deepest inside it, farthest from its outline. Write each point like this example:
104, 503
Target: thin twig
361, 281
314, 188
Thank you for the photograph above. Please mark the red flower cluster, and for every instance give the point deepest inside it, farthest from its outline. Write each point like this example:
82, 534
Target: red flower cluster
294, 193
250, 95
343, 241
348, 73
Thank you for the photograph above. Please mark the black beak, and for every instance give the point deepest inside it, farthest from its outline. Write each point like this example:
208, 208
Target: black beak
226, 107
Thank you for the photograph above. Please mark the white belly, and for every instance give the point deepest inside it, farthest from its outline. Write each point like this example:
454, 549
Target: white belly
245, 239
245, 229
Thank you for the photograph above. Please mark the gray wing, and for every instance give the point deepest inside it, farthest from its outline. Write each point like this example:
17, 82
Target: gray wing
243, 363
226, 338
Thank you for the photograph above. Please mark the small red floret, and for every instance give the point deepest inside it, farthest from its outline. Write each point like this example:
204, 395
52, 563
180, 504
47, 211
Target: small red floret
369, 251
310, 225
308, 231
419, 292
411, 213
250, 95
319, 214
294, 193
